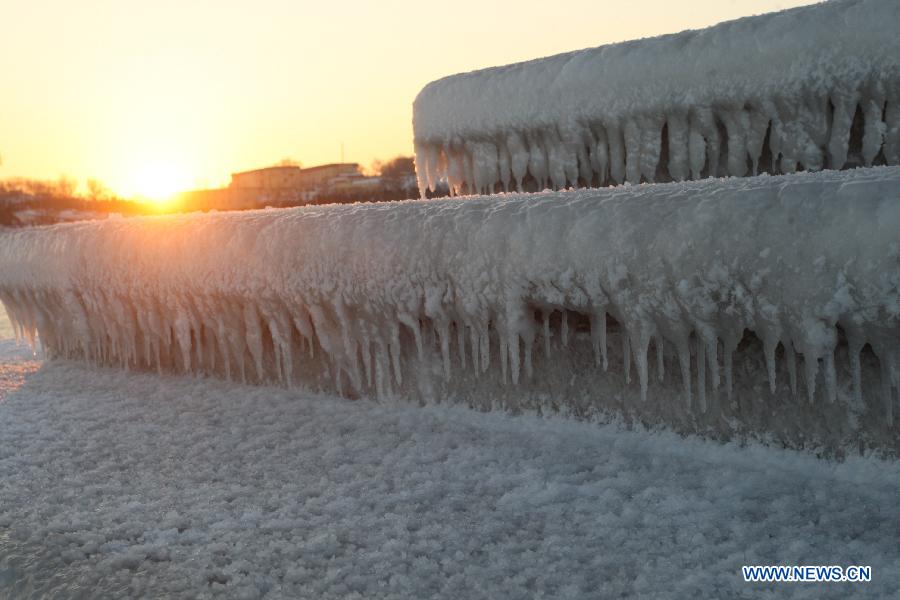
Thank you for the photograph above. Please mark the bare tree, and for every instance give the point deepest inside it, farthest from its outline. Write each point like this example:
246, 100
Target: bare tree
400, 166
65, 187
96, 190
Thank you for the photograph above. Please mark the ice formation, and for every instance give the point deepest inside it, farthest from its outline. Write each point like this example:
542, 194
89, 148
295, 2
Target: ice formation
800, 90
403, 298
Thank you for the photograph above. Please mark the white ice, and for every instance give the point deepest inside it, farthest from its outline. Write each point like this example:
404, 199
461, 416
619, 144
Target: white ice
804, 89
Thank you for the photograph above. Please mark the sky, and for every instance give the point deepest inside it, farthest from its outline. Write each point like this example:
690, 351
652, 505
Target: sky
155, 97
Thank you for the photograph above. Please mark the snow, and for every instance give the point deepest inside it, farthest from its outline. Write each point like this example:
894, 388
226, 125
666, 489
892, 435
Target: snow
139, 485
771, 303
803, 89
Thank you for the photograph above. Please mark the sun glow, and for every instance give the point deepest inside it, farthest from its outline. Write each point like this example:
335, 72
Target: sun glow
157, 181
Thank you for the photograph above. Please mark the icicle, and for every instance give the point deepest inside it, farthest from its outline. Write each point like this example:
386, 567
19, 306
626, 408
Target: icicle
730, 341
892, 130
569, 154
632, 135
696, 152
504, 357
854, 347
770, 344
626, 355
564, 329
616, 153
432, 160
380, 379
598, 337
712, 355
503, 162
461, 344
684, 361
600, 157
518, 158
183, 337
660, 358
443, 330
485, 343
790, 357
651, 138
223, 345
468, 165
704, 143
830, 377
792, 138
844, 103
485, 171
546, 318
737, 124
810, 370
887, 360
421, 169
537, 160
529, 366
366, 352
756, 137
349, 345
455, 169
701, 372
413, 324
584, 144
873, 135
679, 143
513, 346
814, 120
642, 349
394, 349
253, 336
473, 347
555, 161
304, 326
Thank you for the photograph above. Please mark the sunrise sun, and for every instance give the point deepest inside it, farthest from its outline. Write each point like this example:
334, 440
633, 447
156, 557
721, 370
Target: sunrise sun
157, 181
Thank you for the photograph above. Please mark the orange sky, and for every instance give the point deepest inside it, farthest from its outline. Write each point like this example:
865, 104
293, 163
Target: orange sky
151, 96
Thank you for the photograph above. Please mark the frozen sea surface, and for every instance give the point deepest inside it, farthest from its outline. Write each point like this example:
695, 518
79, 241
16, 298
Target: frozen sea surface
120, 485
17, 360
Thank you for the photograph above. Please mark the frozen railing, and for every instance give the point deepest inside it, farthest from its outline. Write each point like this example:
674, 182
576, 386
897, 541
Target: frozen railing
767, 304
804, 89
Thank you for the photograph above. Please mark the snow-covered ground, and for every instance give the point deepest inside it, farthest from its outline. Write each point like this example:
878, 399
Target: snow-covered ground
128, 485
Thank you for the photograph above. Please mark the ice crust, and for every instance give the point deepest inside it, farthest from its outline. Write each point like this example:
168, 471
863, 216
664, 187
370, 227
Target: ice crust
422, 298
804, 89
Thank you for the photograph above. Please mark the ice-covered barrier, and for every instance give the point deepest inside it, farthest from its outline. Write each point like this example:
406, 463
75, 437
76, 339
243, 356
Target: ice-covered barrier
805, 89
554, 299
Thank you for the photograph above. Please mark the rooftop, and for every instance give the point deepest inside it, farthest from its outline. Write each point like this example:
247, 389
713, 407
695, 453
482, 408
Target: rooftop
295, 167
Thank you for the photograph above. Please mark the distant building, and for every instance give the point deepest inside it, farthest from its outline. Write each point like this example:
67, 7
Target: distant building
292, 177
320, 176
269, 178
279, 186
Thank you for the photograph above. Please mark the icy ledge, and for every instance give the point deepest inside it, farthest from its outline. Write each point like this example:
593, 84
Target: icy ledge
733, 283
804, 89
